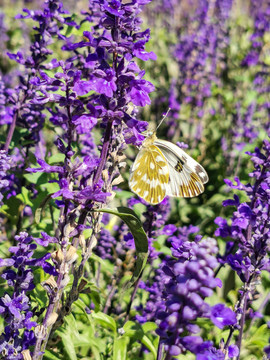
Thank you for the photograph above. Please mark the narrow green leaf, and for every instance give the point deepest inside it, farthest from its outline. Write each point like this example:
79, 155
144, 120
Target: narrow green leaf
69, 333
120, 348
139, 235
149, 344
106, 265
69, 346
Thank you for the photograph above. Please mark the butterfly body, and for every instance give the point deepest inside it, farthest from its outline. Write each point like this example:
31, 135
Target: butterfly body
162, 168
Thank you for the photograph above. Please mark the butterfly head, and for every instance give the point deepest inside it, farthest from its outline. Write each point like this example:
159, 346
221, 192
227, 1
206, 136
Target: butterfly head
150, 137
149, 132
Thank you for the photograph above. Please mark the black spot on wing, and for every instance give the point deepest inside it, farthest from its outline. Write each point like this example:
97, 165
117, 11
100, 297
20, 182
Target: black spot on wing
179, 166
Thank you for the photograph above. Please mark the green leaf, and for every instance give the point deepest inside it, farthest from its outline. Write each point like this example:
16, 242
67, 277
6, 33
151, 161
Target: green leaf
138, 332
259, 339
149, 326
51, 187
87, 233
139, 235
68, 334
106, 265
133, 330
123, 194
120, 348
149, 344
105, 321
24, 196
34, 177
70, 30
69, 346
250, 96
49, 355
56, 158
11, 208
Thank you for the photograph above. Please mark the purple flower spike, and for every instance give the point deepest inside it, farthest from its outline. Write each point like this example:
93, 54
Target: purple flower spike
177, 295
15, 307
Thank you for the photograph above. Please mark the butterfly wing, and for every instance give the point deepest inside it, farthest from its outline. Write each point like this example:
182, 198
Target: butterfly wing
149, 175
186, 175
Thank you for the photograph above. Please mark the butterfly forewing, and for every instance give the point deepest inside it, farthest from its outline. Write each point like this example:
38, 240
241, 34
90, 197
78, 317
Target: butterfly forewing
186, 175
150, 175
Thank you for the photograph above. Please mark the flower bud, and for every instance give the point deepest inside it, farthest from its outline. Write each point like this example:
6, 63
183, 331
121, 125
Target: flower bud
40, 332
49, 285
68, 229
82, 241
71, 255
117, 180
58, 256
26, 355
93, 242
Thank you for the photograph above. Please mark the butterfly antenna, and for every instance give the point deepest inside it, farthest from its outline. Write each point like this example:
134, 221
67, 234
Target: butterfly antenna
164, 117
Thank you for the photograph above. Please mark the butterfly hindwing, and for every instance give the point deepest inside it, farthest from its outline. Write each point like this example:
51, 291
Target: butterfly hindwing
150, 175
186, 175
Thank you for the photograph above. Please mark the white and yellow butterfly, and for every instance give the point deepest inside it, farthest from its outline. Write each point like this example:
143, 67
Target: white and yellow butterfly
162, 168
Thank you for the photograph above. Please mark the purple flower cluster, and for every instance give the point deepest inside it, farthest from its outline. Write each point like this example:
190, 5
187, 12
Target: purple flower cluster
155, 301
15, 305
243, 131
5, 111
110, 71
26, 113
260, 11
190, 279
249, 230
99, 85
199, 55
155, 219
177, 292
155, 285
247, 119
17, 106
106, 245
5, 165
249, 224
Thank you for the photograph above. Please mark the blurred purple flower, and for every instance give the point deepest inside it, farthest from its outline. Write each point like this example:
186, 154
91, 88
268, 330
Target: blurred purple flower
105, 245
222, 316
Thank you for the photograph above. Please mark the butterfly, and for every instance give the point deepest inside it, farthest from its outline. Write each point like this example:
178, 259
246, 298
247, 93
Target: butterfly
162, 168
